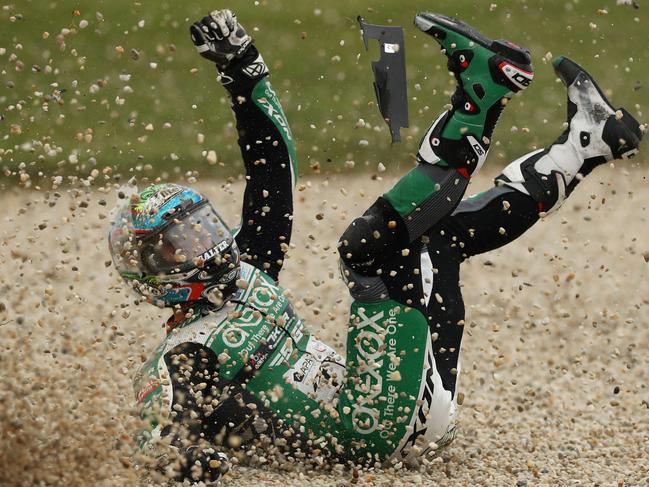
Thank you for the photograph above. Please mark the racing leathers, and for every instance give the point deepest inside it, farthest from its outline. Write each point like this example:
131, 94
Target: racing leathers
251, 373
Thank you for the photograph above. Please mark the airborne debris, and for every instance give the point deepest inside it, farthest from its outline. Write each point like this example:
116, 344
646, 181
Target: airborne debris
77, 112
211, 157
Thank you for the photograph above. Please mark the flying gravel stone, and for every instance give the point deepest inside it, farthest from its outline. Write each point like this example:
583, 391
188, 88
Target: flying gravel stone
551, 385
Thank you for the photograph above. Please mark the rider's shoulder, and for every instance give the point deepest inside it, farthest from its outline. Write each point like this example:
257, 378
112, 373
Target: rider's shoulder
256, 292
251, 282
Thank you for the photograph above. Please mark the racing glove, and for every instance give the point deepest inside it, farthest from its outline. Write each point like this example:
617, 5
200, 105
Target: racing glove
220, 38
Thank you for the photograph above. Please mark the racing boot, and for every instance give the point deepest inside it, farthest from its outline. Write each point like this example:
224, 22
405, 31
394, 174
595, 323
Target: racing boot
488, 73
596, 133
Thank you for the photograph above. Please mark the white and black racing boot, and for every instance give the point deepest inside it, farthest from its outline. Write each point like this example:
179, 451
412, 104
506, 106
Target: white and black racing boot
596, 133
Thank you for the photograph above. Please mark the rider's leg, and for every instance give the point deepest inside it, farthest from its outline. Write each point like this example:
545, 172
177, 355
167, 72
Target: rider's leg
394, 400
596, 133
539, 182
488, 73
394, 403
534, 184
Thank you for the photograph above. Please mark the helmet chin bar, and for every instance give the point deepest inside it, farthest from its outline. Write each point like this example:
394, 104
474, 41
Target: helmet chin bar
220, 293
214, 280
192, 290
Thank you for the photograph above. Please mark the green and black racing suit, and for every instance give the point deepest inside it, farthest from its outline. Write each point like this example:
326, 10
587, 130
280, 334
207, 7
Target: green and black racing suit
251, 370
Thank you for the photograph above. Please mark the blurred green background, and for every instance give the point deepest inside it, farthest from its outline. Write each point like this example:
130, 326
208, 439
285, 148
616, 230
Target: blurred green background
93, 84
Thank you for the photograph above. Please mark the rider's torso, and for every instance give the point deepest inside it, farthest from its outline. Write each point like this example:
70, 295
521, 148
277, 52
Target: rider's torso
258, 346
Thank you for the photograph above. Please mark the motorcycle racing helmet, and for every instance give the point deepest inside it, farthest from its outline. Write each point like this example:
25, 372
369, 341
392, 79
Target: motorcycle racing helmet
172, 247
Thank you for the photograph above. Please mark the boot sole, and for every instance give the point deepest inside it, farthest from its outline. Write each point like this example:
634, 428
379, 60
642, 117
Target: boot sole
434, 24
572, 70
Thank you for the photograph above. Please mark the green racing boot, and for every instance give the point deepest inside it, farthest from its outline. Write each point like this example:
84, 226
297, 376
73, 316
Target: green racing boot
488, 73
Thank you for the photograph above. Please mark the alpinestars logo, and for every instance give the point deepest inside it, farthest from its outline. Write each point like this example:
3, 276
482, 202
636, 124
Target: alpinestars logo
255, 69
224, 79
419, 423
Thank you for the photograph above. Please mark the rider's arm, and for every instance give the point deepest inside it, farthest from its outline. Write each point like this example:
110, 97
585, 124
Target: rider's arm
173, 390
265, 139
268, 152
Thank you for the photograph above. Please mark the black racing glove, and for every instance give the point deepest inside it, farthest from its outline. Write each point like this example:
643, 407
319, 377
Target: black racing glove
220, 38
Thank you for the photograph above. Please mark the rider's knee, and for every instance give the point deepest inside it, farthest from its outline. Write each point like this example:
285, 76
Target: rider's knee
370, 238
356, 246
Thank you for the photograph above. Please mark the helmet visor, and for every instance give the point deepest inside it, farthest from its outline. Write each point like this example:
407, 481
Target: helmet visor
187, 243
